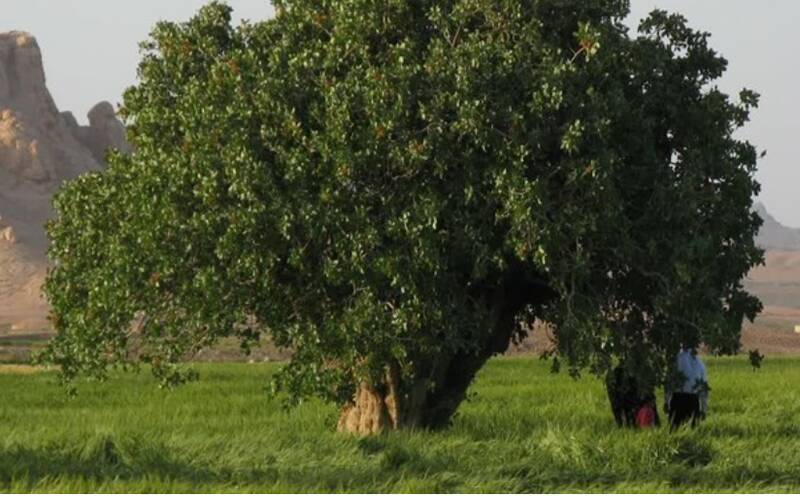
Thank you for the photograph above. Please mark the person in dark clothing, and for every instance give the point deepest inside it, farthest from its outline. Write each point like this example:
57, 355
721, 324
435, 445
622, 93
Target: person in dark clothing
631, 407
622, 396
683, 407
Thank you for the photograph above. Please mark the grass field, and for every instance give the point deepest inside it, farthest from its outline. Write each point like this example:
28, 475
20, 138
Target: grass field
525, 430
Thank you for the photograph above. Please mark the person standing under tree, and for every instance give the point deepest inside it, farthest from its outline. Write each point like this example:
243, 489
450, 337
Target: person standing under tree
632, 403
690, 400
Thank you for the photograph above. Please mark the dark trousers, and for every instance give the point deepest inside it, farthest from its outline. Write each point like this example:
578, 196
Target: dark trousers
684, 407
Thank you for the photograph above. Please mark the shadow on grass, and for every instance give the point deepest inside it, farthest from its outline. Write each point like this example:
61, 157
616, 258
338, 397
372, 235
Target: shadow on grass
101, 459
104, 459
390, 465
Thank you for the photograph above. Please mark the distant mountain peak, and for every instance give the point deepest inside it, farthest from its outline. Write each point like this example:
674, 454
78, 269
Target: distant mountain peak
774, 235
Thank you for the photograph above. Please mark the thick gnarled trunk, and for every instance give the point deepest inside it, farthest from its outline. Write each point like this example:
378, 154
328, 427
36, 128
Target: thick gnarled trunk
382, 407
368, 414
442, 383
427, 403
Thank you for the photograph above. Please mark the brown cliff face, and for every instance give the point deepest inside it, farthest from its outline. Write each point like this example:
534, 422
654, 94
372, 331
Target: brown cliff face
36, 145
40, 148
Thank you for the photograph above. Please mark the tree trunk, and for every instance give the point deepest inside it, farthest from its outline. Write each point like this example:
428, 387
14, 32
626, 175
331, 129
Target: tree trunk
368, 414
427, 403
382, 407
442, 383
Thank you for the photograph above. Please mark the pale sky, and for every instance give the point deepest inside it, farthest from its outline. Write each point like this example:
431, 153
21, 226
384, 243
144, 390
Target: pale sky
90, 50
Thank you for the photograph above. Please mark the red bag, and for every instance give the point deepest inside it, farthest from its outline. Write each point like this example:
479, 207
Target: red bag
646, 417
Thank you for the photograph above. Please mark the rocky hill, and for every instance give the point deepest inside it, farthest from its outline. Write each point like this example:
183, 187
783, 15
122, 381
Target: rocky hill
40, 148
777, 282
773, 235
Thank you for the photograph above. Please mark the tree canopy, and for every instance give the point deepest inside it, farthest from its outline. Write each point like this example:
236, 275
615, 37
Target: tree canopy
395, 190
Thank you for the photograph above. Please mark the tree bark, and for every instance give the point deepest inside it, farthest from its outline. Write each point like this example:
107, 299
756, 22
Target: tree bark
368, 414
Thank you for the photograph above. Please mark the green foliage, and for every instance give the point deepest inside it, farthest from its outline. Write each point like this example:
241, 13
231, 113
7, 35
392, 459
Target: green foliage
368, 182
526, 431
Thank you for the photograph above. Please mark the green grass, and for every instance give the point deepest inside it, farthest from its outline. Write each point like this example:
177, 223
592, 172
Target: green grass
525, 430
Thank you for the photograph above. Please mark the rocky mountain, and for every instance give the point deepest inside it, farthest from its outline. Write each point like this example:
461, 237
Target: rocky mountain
777, 282
40, 148
774, 235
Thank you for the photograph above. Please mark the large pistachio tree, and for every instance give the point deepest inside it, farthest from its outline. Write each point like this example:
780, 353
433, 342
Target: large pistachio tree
395, 190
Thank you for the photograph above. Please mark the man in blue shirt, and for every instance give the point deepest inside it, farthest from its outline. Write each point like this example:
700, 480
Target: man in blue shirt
690, 400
